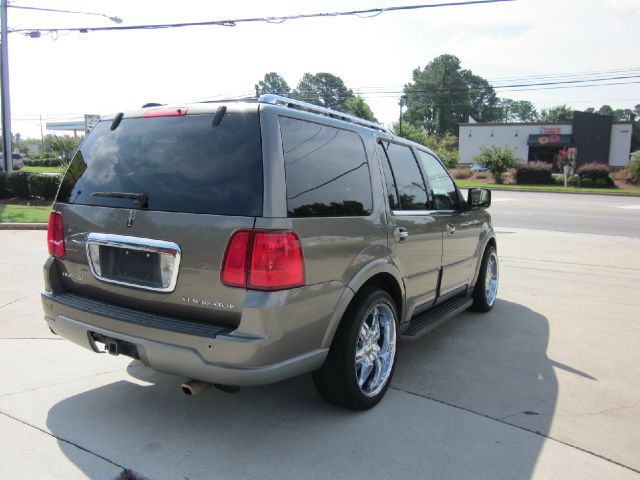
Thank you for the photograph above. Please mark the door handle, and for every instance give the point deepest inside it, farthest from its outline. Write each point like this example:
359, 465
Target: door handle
400, 234
451, 229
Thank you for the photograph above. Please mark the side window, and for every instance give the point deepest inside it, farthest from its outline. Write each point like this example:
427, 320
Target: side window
444, 190
326, 169
392, 190
412, 192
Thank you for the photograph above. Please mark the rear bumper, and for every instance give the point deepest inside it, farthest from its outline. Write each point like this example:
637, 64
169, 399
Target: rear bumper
184, 361
280, 335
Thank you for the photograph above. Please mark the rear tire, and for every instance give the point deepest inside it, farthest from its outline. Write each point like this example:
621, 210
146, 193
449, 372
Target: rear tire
362, 358
486, 289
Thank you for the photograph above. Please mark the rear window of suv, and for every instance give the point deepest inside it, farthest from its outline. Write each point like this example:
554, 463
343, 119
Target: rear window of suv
179, 164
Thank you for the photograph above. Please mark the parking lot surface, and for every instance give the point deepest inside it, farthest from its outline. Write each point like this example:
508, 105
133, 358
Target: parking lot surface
544, 386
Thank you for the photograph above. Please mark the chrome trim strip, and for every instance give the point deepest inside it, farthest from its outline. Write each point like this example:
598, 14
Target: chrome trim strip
413, 213
424, 272
151, 245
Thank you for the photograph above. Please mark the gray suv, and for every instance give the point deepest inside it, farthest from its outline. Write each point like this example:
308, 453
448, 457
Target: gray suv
245, 242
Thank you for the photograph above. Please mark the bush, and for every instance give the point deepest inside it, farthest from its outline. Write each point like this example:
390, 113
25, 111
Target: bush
593, 171
634, 168
43, 162
19, 183
586, 182
461, 173
497, 160
574, 181
44, 186
558, 180
4, 187
601, 183
534, 173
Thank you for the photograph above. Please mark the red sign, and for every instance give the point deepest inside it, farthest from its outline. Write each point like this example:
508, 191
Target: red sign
550, 130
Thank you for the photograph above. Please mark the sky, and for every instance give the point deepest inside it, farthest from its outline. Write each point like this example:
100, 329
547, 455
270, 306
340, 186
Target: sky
64, 76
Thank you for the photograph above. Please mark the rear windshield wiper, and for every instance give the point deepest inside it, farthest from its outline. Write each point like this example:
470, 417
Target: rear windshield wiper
140, 198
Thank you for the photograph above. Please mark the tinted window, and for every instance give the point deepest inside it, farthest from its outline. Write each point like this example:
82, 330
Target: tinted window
409, 182
326, 170
392, 191
181, 164
444, 190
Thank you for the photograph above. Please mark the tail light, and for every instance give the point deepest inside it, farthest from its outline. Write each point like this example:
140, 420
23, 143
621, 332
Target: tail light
55, 235
263, 260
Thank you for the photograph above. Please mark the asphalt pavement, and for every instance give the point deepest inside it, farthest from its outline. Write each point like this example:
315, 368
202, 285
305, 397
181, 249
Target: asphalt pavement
544, 386
561, 212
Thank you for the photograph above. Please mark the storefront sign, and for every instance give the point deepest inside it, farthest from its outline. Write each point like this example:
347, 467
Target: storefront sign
550, 130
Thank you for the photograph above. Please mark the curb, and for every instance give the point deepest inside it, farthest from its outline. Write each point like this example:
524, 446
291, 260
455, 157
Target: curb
23, 226
604, 194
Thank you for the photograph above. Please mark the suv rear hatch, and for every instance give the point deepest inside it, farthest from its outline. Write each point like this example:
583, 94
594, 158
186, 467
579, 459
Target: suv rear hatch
149, 203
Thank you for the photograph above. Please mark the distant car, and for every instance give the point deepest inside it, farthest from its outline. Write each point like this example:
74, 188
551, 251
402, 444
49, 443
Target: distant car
17, 161
476, 167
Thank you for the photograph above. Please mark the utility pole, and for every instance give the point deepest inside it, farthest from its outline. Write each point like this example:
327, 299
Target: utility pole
6, 105
401, 103
41, 135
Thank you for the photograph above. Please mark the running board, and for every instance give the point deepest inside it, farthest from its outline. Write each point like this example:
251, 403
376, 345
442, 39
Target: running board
424, 323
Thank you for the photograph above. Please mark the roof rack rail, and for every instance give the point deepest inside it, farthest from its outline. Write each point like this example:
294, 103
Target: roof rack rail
309, 107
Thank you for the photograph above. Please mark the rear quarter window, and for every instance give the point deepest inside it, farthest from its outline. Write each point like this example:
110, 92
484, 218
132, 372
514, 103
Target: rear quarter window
327, 173
181, 164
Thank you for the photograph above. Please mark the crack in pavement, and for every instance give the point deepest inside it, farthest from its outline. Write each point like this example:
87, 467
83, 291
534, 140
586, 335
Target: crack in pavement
535, 432
10, 394
60, 439
14, 301
31, 338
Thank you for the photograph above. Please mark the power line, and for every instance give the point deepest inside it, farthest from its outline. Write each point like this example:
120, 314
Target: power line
371, 12
42, 9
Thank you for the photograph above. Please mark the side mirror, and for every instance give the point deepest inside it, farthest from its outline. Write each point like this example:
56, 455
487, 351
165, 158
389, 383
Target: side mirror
478, 198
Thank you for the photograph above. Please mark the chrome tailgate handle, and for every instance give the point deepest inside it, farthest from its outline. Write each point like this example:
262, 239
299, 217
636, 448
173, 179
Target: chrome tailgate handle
400, 234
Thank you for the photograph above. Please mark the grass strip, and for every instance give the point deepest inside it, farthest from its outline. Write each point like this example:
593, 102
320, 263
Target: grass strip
24, 213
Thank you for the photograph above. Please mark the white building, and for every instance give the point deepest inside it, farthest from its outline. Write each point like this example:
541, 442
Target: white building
595, 137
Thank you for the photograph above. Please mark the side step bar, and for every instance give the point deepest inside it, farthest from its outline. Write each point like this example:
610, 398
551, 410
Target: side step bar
422, 324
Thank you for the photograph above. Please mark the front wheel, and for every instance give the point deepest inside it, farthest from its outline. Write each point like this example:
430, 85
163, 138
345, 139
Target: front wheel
360, 364
486, 289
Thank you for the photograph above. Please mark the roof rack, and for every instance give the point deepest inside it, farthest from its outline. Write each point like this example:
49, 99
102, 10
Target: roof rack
309, 107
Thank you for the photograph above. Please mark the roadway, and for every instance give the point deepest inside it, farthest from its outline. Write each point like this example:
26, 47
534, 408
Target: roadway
560, 212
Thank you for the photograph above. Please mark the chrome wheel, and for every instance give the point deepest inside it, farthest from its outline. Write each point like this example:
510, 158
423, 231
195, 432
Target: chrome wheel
491, 279
375, 350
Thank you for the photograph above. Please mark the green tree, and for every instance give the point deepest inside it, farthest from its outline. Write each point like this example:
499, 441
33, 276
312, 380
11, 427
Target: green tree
358, 107
517, 110
273, 83
324, 89
445, 147
605, 110
622, 114
498, 160
634, 168
559, 113
64, 145
410, 132
443, 94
